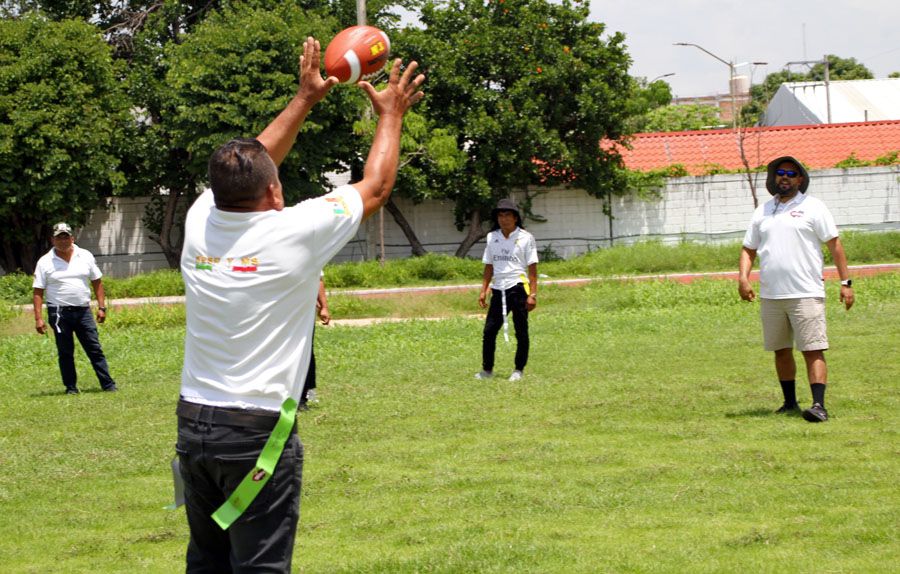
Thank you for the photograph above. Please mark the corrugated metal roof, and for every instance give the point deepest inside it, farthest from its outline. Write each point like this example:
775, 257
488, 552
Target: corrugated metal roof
851, 101
817, 146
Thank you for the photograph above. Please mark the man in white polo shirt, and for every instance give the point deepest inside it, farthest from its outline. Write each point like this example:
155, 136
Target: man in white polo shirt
251, 269
64, 277
787, 233
510, 275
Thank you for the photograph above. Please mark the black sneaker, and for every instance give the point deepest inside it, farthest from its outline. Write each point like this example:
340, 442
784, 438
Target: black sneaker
72, 391
816, 414
787, 409
111, 389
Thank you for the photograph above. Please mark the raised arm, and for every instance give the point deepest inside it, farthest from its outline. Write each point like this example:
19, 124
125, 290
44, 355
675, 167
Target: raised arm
390, 105
279, 136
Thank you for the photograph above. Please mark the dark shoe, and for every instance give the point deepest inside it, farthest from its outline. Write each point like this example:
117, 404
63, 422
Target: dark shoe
816, 414
787, 409
72, 391
111, 389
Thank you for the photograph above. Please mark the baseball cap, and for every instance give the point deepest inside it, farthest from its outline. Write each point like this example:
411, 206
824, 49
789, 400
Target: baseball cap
61, 228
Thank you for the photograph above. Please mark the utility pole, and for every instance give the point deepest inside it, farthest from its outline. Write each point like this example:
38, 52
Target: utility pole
824, 61
730, 79
361, 21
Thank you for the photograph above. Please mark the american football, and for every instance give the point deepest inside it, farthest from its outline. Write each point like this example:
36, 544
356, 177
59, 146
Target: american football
357, 53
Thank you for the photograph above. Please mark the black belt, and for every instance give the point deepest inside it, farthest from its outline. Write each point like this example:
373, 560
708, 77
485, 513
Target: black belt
258, 419
68, 307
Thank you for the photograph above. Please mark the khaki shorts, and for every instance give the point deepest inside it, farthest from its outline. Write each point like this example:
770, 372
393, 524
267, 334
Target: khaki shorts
787, 320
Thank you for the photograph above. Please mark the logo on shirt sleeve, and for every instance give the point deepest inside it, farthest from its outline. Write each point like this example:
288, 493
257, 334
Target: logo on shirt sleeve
338, 205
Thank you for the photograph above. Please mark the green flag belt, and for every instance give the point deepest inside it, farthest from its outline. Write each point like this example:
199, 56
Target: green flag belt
257, 478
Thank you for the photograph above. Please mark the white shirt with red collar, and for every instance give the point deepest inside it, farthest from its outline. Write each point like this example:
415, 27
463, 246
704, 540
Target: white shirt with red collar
66, 283
788, 239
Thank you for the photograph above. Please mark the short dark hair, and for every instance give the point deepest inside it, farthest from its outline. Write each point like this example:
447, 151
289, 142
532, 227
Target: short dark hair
240, 171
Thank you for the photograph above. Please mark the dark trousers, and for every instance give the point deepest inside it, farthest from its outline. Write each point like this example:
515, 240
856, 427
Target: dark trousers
516, 299
214, 458
310, 381
66, 321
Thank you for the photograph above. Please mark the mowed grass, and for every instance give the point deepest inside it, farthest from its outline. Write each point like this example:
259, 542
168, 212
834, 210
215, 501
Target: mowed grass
642, 439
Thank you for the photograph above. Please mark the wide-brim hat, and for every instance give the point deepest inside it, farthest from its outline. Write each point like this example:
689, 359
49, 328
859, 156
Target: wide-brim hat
773, 165
506, 204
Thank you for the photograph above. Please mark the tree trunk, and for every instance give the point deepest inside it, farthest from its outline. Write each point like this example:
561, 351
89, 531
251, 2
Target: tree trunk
474, 234
170, 226
748, 172
418, 249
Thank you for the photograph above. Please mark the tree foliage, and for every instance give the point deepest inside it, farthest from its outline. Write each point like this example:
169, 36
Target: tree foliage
528, 88
237, 71
61, 116
675, 118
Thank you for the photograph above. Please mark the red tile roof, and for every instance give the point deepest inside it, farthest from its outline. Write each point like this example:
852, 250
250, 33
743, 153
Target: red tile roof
817, 146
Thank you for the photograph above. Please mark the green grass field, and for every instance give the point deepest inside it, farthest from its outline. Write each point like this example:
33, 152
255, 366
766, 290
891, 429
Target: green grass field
642, 439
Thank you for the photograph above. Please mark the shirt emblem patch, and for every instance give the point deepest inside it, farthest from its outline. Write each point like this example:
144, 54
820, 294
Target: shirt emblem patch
338, 206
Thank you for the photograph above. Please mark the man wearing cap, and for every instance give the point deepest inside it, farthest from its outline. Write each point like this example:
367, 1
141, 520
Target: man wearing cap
64, 276
788, 232
510, 253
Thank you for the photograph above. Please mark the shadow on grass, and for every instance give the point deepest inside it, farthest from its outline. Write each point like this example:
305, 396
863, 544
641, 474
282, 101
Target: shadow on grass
62, 392
750, 413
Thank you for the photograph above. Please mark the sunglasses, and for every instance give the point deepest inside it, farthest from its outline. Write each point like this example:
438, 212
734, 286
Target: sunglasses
787, 172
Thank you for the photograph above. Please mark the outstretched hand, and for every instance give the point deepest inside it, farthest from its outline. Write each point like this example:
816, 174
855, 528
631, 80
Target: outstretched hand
313, 87
401, 93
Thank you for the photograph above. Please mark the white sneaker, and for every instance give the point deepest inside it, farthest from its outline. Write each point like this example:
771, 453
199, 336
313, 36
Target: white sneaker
484, 375
515, 376
311, 396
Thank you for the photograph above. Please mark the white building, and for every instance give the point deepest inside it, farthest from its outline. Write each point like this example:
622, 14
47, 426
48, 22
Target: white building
804, 103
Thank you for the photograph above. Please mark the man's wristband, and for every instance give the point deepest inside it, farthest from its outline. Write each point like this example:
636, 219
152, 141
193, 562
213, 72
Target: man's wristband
101, 309
847, 283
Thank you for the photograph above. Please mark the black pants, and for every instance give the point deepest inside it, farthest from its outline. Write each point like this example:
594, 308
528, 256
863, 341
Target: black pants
516, 300
214, 458
310, 381
66, 321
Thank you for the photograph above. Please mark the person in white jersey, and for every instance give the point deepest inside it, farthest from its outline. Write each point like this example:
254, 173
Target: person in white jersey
251, 270
64, 277
787, 233
510, 275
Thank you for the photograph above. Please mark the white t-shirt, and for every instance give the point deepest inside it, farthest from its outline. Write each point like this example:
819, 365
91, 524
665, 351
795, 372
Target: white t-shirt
251, 281
66, 283
788, 238
510, 257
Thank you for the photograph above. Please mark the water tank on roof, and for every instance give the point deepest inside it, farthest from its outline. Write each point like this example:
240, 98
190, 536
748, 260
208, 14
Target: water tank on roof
740, 85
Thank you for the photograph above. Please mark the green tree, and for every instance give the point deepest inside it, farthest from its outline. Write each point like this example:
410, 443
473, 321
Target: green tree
676, 118
237, 71
61, 116
646, 98
528, 88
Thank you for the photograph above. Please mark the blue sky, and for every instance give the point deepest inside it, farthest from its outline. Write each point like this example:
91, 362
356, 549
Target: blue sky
743, 31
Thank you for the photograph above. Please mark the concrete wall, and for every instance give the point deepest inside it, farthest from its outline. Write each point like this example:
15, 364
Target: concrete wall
707, 208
